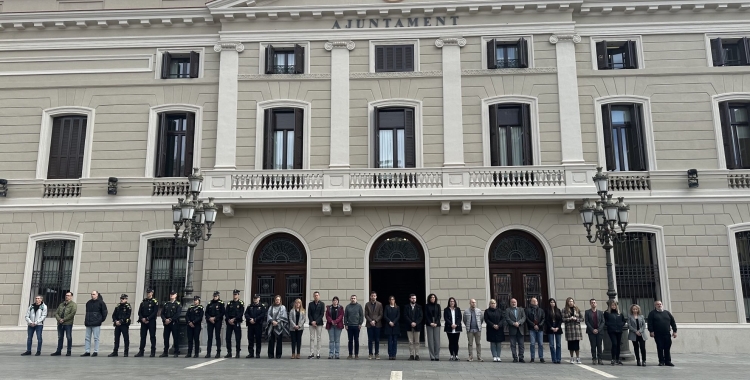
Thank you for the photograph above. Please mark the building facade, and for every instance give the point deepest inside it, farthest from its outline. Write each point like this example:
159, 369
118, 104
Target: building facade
396, 146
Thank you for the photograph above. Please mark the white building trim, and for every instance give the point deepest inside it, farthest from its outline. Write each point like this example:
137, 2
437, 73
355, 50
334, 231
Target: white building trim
661, 258
153, 133
374, 43
418, 126
45, 138
648, 126
506, 38
721, 157
732, 230
282, 44
633, 37
29, 268
533, 103
180, 50
404, 229
260, 117
140, 276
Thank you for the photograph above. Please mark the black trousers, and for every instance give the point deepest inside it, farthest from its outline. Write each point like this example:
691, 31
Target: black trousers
123, 330
616, 339
296, 341
453, 343
194, 338
235, 329
663, 345
274, 339
150, 329
170, 329
596, 345
254, 336
639, 344
213, 329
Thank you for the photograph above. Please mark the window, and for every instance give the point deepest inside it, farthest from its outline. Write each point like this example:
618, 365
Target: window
735, 130
616, 55
623, 137
510, 135
394, 58
175, 145
505, 55
53, 269
166, 268
743, 253
394, 138
67, 147
730, 51
183, 65
637, 270
283, 138
285, 60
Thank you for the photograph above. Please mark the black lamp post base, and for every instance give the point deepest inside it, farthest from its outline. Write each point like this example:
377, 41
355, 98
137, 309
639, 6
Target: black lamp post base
625, 354
182, 342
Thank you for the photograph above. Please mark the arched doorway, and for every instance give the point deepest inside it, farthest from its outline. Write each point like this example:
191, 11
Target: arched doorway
517, 269
397, 268
279, 267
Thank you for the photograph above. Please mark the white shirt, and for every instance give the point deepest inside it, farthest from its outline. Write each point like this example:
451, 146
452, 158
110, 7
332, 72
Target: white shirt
453, 318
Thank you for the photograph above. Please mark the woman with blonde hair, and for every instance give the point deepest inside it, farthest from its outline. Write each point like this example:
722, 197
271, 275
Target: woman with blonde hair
572, 318
614, 322
637, 333
297, 319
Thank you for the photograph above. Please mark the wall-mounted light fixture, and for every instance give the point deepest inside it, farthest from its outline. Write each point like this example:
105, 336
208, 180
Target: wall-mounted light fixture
3, 187
112, 186
692, 178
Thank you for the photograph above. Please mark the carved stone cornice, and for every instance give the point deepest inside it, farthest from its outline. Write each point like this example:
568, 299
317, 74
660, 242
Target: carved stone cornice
229, 45
410, 74
450, 41
527, 71
348, 45
555, 38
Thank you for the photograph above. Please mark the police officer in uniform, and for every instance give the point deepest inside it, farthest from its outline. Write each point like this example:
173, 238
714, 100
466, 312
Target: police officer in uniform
121, 321
255, 317
194, 318
169, 313
214, 317
147, 318
235, 310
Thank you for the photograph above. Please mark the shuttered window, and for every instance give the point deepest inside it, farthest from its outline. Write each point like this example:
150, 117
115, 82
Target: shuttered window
616, 55
395, 144
180, 65
735, 130
67, 146
283, 138
285, 60
175, 147
510, 135
624, 146
730, 51
505, 55
394, 58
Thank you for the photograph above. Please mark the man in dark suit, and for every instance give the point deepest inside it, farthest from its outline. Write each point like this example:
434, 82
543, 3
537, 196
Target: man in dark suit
516, 321
414, 321
594, 324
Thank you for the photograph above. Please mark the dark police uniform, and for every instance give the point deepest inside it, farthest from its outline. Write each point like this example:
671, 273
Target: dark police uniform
257, 313
234, 310
148, 309
170, 310
194, 315
214, 309
122, 314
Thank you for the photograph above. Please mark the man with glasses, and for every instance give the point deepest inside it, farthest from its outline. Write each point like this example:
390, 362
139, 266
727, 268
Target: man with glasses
65, 314
354, 316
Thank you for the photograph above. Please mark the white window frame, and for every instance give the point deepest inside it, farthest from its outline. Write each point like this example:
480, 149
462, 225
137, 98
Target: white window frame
639, 47
732, 230
45, 138
507, 39
153, 133
418, 128
533, 103
181, 50
140, 278
661, 259
31, 257
707, 41
721, 157
283, 44
648, 127
415, 42
260, 128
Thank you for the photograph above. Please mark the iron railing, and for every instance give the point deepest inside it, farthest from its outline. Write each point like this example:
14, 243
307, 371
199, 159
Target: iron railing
636, 271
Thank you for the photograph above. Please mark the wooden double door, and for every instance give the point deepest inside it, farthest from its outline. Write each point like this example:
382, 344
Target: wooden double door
521, 281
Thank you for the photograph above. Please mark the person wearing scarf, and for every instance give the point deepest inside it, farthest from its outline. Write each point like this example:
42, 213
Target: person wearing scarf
278, 326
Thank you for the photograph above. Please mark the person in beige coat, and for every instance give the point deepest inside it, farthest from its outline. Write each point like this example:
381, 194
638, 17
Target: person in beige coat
373, 321
297, 320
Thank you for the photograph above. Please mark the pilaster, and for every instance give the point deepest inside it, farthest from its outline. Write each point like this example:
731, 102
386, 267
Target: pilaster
339, 102
226, 122
453, 131
567, 89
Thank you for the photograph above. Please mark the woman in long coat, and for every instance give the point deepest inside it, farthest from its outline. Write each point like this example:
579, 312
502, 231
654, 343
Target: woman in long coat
637, 333
277, 327
572, 317
391, 316
495, 320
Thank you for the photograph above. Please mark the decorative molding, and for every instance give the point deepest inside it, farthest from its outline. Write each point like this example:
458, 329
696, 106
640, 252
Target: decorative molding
450, 41
555, 38
283, 77
45, 138
618, 8
418, 127
152, 137
624, 37
177, 41
661, 259
147, 61
140, 277
390, 41
184, 50
721, 157
105, 18
648, 127
304, 43
330, 45
229, 45
533, 103
260, 130
393, 75
534, 70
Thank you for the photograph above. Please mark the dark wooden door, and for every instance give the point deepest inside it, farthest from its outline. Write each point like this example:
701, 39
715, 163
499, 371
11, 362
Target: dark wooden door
519, 283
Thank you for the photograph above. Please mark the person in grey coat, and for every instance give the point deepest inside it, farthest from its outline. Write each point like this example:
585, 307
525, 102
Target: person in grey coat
35, 316
354, 317
637, 334
515, 319
595, 330
473, 318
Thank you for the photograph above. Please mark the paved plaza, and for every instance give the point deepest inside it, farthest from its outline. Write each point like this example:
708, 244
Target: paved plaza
78, 368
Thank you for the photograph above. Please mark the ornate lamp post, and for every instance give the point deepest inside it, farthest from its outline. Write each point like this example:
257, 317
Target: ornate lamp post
192, 221
606, 215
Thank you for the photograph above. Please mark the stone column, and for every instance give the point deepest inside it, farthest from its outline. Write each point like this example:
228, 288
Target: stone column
339, 158
226, 121
567, 85
453, 130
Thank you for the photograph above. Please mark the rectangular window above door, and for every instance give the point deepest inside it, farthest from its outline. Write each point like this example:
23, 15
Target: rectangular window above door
67, 146
730, 51
617, 55
174, 156
285, 60
624, 145
507, 54
283, 138
394, 138
735, 131
510, 135
394, 58
180, 65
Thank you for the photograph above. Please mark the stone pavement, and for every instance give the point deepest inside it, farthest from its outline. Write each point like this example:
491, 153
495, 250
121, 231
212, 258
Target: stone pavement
14, 366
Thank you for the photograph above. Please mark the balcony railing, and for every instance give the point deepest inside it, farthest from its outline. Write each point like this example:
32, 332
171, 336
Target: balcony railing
62, 189
170, 188
517, 177
629, 182
396, 179
738, 181
299, 180
283, 69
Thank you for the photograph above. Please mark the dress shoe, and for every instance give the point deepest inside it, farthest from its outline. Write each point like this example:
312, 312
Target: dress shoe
669, 364
356, 357
189, 355
56, 353
661, 364
218, 355
237, 355
600, 362
411, 357
249, 356
95, 354
416, 357
515, 360
153, 354
139, 354
67, 353
125, 354
195, 355
228, 356
208, 355
643, 364
541, 360
164, 354
176, 354
27, 353
523, 361
112, 355
86, 354
37, 353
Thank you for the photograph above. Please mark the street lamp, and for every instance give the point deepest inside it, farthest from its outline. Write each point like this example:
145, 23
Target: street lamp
606, 215
192, 221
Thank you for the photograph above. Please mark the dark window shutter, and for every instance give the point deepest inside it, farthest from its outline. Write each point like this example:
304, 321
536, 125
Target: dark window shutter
189, 144
523, 52
379, 58
299, 59
526, 123
268, 137
195, 61
494, 138
399, 61
166, 61
269, 59
408, 57
631, 55
55, 150
161, 150
389, 58
717, 52
602, 62
67, 147
410, 153
77, 142
376, 140
727, 136
744, 48
636, 146
492, 54
299, 122
609, 149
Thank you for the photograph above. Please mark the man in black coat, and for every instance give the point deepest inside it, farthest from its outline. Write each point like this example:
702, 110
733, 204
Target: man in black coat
121, 321
194, 318
234, 311
659, 323
214, 312
414, 318
96, 314
315, 312
255, 317
147, 318
170, 311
